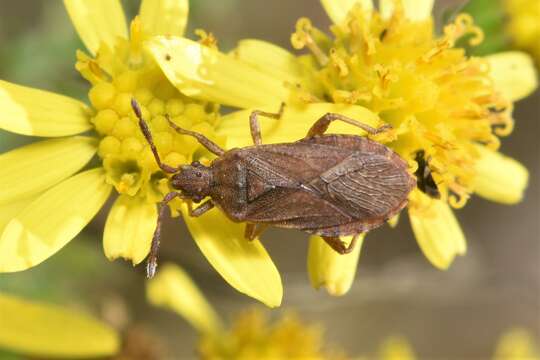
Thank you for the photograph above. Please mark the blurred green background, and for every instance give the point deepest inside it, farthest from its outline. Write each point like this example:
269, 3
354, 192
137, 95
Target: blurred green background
455, 314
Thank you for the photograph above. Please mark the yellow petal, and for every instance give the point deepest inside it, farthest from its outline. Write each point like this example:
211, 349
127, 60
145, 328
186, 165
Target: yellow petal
436, 229
244, 264
173, 289
33, 168
29, 111
293, 125
97, 21
52, 220
51, 331
331, 270
499, 178
129, 229
517, 344
270, 59
164, 17
207, 74
514, 74
415, 10
337, 10
10, 210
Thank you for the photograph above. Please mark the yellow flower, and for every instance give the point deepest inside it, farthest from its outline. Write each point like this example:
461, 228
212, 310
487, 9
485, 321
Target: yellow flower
524, 25
251, 336
516, 344
384, 66
47, 196
50, 331
396, 348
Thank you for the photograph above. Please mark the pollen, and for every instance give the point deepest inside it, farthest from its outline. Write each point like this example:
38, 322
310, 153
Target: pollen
126, 155
437, 99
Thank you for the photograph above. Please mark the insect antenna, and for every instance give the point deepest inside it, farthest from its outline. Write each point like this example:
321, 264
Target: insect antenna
148, 136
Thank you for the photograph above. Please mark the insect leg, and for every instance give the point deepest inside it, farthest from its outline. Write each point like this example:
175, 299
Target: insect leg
151, 263
148, 136
352, 244
201, 209
254, 230
203, 140
321, 125
339, 246
254, 122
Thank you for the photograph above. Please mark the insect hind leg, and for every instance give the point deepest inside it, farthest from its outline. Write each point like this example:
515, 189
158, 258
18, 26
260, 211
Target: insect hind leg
254, 125
320, 126
339, 246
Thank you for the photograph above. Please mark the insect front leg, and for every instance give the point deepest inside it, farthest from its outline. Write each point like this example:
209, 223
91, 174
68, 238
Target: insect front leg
339, 246
254, 125
201, 209
151, 263
254, 230
321, 125
203, 140
148, 136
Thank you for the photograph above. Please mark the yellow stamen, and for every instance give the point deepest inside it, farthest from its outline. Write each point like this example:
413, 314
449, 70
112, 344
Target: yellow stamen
303, 38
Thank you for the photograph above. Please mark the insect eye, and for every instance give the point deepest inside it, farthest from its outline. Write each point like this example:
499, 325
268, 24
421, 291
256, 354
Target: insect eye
198, 174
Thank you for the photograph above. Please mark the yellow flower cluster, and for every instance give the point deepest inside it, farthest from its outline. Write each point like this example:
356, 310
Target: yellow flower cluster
380, 66
39, 215
524, 25
58, 332
251, 336
438, 100
127, 158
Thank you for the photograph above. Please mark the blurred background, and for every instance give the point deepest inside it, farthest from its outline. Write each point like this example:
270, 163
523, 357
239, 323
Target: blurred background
455, 314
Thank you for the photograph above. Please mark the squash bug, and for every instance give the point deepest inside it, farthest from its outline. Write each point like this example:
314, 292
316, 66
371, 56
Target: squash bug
329, 185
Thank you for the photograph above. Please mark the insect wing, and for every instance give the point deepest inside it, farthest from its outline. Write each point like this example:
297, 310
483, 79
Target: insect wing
366, 186
315, 184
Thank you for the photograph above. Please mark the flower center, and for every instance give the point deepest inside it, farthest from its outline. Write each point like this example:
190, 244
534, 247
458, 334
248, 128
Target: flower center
253, 336
438, 100
117, 76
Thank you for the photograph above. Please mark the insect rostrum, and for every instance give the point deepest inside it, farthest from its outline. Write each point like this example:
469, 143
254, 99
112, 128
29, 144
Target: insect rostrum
330, 185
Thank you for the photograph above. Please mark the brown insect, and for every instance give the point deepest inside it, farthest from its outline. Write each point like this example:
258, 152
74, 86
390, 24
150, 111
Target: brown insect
330, 185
